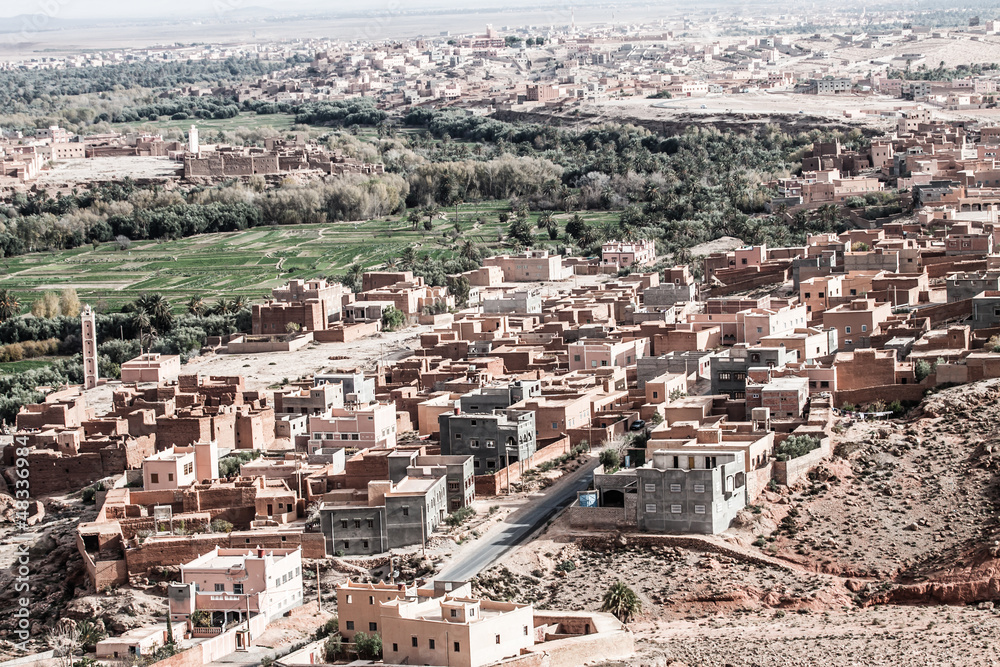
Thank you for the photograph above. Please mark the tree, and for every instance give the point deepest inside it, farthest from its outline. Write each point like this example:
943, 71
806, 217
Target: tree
222, 526
520, 232
332, 648
621, 601
47, 306
64, 639
196, 306
89, 634
922, 369
414, 217
292, 327
69, 303
368, 646
393, 318
576, 226
10, 306
611, 460
201, 619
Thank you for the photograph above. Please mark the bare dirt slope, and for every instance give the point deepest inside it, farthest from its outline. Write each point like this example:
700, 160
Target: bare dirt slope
887, 555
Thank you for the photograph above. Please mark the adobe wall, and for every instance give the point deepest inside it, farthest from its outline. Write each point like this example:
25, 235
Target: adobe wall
947, 311
887, 393
495, 484
757, 481
348, 333
50, 473
175, 551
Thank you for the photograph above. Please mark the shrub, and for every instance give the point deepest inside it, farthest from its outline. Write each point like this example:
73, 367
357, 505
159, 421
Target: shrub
922, 369
393, 318
222, 526
368, 646
795, 446
460, 516
566, 566
611, 460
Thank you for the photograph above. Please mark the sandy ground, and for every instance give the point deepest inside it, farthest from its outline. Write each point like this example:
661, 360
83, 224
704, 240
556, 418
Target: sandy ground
85, 170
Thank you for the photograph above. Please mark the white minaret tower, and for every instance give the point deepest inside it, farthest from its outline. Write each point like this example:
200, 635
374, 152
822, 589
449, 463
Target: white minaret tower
193, 140
89, 348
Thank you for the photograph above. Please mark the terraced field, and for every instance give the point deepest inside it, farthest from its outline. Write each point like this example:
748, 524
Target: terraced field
250, 262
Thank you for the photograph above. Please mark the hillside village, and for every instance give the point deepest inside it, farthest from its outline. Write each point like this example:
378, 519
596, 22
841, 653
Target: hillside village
648, 455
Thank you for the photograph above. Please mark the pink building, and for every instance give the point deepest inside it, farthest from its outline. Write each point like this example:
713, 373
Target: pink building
597, 354
152, 367
232, 585
629, 253
531, 266
178, 467
370, 426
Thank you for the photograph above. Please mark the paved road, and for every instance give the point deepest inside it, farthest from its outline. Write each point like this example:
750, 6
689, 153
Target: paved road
518, 526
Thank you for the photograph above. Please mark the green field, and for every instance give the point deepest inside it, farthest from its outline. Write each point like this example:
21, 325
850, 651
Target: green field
26, 365
250, 262
282, 122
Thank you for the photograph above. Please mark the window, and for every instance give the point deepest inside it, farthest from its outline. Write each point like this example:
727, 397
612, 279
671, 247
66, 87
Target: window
414, 642
808, 295
347, 545
354, 436
170, 476
555, 424
593, 364
454, 613
364, 543
371, 599
699, 488
395, 647
154, 478
864, 328
188, 468
220, 588
576, 357
725, 376
371, 523
350, 625
656, 394
357, 523
350, 598
372, 627
498, 639
675, 509
649, 488
406, 510
675, 488
238, 589
490, 444
430, 644
699, 509
848, 342
458, 647
343, 523
847, 329
525, 630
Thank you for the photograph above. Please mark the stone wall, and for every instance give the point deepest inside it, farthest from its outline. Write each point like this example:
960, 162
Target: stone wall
789, 473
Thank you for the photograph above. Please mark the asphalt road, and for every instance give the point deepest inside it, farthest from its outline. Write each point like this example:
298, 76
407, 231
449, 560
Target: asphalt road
518, 526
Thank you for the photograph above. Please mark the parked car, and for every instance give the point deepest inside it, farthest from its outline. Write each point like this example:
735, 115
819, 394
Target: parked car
638, 425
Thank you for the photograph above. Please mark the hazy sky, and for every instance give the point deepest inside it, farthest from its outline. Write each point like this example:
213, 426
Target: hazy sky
181, 9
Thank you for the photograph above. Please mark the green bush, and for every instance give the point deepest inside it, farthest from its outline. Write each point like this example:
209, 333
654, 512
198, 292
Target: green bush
460, 516
566, 566
368, 646
611, 460
795, 446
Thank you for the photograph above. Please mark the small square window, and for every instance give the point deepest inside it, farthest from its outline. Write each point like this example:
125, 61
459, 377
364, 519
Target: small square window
650, 508
350, 625
699, 509
675, 488
649, 488
675, 509
699, 488
373, 627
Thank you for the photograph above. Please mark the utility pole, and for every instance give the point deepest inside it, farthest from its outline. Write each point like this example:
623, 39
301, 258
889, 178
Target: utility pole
423, 534
506, 470
319, 597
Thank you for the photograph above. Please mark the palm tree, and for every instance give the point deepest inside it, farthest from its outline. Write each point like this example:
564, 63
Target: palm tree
239, 302
414, 218
621, 601
158, 308
409, 257
10, 306
469, 250
222, 307
196, 306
